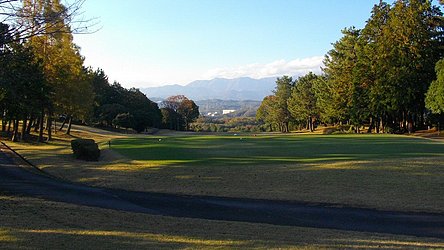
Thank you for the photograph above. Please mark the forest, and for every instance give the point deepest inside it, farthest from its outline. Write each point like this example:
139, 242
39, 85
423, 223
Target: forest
386, 77
43, 79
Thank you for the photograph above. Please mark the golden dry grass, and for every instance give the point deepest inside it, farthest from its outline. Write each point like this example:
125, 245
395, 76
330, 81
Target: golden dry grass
404, 184
29, 223
33, 223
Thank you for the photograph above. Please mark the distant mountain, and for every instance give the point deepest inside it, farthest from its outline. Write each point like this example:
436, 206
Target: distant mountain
243, 88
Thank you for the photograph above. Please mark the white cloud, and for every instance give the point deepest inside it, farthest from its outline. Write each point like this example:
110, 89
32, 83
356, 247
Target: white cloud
277, 68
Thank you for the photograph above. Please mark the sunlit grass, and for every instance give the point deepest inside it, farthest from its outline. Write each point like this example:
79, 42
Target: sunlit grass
5, 236
379, 171
38, 224
242, 149
161, 238
386, 172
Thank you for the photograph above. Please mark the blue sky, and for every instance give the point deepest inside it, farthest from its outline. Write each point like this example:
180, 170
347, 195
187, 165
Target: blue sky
144, 43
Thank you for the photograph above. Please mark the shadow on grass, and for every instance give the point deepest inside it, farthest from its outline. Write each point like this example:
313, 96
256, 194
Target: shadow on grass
97, 239
403, 174
29, 222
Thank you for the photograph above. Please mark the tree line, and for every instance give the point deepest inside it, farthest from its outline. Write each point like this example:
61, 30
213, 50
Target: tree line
43, 79
382, 76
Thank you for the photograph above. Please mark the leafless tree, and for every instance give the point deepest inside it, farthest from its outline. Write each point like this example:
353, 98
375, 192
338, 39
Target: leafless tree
24, 24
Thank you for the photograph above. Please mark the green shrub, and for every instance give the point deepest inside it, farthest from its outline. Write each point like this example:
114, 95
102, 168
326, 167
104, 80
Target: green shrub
85, 149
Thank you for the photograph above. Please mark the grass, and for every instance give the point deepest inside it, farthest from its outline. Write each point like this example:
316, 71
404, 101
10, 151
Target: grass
38, 224
262, 150
379, 171
385, 172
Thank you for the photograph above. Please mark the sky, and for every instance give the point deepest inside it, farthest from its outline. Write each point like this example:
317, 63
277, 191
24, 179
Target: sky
146, 43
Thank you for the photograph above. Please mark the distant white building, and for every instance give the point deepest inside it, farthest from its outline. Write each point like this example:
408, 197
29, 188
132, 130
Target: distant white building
227, 111
212, 114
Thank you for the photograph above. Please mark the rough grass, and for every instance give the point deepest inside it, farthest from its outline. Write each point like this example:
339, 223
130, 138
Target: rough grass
408, 175
33, 223
377, 171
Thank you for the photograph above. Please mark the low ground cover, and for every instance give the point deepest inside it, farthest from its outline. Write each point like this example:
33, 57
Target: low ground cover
385, 172
38, 224
378, 171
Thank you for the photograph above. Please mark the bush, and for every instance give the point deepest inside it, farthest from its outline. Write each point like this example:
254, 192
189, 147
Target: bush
85, 149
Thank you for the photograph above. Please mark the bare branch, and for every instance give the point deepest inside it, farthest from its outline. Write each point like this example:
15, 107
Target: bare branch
25, 23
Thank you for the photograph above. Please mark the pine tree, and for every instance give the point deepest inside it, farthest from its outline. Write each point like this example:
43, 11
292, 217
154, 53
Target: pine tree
283, 93
302, 102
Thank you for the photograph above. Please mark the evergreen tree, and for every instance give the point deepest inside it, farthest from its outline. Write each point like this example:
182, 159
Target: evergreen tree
22, 88
302, 102
402, 45
266, 111
335, 94
435, 94
283, 93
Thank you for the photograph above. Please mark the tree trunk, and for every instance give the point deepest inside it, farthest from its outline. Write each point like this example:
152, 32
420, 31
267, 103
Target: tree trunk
63, 124
37, 124
30, 125
286, 127
410, 126
310, 121
9, 126
15, 132
68, 131
41, 125
24, 126
404, 123
3, 124
55, 126
49, 128
49, 125
377, 126
370, 127
382, 125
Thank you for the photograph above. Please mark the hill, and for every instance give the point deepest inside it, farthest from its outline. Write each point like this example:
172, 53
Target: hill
243, 88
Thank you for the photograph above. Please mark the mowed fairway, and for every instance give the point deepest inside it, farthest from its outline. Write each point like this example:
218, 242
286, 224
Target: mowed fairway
377, 171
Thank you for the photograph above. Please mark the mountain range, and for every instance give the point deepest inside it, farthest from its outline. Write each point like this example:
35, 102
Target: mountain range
244, 88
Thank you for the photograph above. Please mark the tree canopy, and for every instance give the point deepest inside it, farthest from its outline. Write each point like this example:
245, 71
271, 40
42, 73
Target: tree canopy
378, 76
178, 112
43, 79
435, 94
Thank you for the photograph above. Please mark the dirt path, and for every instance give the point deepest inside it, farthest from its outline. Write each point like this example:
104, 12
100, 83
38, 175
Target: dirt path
18, 180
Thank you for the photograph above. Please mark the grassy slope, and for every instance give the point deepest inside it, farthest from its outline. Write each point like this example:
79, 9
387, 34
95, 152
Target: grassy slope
379, 171
28, 223
402, 182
